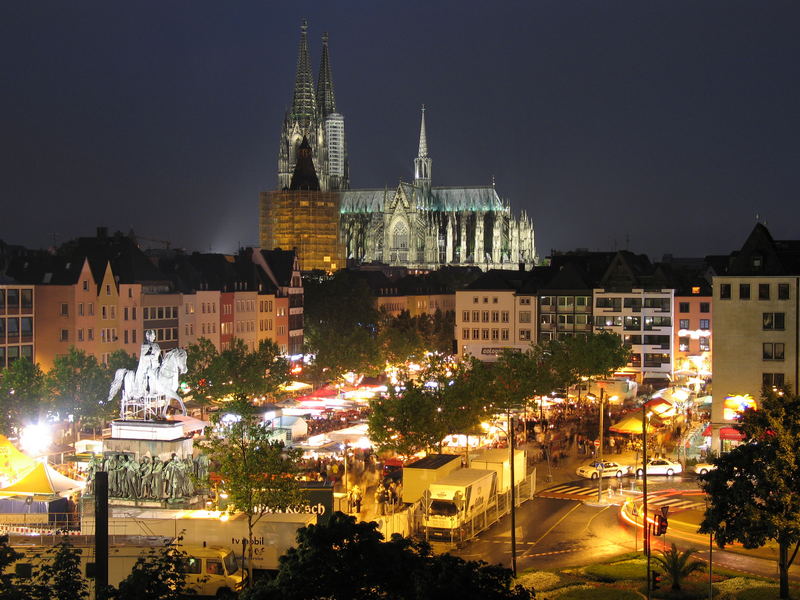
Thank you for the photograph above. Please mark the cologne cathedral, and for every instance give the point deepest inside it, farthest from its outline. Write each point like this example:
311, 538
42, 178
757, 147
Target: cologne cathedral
416, 225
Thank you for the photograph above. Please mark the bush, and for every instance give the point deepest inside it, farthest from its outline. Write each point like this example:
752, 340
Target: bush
599, 593
619, 571
689, 591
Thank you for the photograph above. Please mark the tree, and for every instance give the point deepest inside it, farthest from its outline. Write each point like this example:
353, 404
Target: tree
61, 578
161, 575
258, 474
677, 565
350, 560
399, 338
22, 389
79, 387
754, 491
9, 589
442, 399
203, 371
213, 376
340, 323
119, 359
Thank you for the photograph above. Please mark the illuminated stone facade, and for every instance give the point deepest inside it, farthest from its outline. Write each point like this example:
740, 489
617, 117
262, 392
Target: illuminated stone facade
306, 221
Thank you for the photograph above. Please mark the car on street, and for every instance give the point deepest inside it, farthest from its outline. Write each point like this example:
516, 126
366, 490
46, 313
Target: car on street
609, 469
702, 468
661, 466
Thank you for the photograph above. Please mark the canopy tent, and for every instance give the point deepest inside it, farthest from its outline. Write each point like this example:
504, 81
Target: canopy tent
673, 394
703, 400
725, 433
42, 480
661, 408
190, 424
13, 463
633, 424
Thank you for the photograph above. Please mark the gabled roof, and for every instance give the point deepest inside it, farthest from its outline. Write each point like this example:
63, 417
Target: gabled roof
627, 270
499, 279
282, 264
762, 255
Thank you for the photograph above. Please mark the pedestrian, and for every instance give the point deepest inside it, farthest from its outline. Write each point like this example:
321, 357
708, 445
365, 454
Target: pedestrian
380, 498
356, 496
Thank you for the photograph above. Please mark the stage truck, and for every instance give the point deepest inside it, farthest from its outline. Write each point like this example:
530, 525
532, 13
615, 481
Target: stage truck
457, 500
210, 570
273, 534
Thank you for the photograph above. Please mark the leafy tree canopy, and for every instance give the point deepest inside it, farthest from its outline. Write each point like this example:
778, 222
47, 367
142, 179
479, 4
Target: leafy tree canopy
257, 472
22, 393
348, 560
78, 385
340, 322
754, 491
443, 398
161, 575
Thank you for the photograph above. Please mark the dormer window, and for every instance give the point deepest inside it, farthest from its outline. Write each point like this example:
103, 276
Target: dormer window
757, 261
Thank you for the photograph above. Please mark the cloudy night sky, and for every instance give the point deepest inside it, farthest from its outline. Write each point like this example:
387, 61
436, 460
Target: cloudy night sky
656, 126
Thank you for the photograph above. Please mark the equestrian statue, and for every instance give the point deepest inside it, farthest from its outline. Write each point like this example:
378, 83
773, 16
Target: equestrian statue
147, 392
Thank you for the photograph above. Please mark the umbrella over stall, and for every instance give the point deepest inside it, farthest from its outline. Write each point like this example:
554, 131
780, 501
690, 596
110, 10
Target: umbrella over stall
632, 424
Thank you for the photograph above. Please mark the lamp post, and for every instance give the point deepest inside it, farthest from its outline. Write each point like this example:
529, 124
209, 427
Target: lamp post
513, 496
600, 451
510, 437
645, 521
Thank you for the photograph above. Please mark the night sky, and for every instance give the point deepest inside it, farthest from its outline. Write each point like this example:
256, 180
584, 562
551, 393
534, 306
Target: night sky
660, 126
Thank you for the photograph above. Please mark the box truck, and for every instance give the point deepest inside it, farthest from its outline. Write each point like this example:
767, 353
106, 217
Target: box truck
457, 498
273, 534
499, 460
418, 475
210, 570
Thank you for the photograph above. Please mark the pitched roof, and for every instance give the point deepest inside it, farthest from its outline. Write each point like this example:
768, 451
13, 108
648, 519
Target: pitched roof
762, 255
499, 279
442, 199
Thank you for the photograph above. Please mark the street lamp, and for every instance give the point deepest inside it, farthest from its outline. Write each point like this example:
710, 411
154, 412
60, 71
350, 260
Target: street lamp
510, 436
645, 520
600, 448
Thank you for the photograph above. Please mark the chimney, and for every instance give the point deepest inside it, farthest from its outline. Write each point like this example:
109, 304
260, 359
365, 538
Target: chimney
102, 232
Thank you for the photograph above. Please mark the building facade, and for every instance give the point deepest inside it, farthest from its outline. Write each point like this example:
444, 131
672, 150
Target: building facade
17, 309
420, 226
415, 224
755, 307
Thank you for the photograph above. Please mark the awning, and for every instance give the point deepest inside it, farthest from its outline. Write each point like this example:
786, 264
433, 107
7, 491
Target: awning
726, 433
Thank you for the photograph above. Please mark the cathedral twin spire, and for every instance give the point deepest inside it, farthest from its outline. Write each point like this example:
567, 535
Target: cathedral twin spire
313, 116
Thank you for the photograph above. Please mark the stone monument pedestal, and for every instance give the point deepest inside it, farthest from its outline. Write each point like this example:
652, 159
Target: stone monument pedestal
159, 439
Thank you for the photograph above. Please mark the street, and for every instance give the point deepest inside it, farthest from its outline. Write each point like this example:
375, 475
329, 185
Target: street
564, 527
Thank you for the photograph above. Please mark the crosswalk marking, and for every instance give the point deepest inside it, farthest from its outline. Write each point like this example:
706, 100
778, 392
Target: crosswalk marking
569, 489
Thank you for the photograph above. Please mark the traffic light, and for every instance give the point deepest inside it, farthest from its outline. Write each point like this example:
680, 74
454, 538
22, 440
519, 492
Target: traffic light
662, 526
655, 578
659, 525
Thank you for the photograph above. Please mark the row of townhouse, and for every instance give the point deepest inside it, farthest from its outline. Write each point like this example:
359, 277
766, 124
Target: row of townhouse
100, 295
583, 292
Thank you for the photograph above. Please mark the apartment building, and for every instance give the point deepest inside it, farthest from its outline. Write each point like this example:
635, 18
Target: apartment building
755, 308
17, 308
635, 299
491, 315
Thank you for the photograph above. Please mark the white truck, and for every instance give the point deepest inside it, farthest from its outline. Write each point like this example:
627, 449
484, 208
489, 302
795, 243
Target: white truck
210, 570
499, 460
457, 499
420, 474
273, 534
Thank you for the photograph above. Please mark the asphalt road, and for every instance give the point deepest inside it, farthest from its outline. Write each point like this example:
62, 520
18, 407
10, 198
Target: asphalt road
557, 533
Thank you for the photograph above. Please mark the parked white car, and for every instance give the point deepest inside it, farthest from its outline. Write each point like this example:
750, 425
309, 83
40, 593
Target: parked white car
661, 466
609, 469
703, 468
